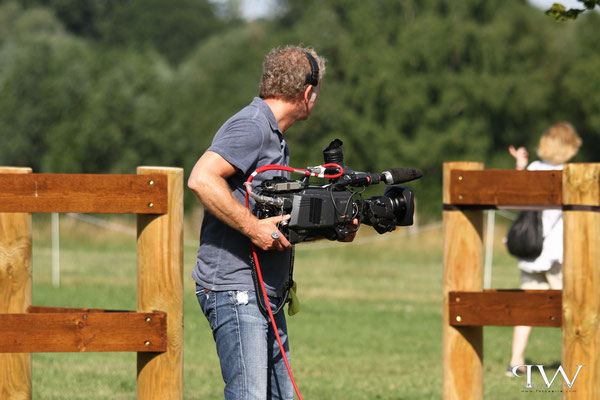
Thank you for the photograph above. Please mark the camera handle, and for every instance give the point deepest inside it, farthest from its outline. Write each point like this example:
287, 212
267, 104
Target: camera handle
318, 172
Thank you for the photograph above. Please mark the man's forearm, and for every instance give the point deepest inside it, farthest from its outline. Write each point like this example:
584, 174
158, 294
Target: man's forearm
208, 180
215, 195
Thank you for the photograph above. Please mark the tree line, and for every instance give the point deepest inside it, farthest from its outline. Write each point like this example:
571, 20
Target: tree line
103, 86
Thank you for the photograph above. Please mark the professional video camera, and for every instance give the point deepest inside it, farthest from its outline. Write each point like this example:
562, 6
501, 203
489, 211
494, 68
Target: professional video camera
327, 210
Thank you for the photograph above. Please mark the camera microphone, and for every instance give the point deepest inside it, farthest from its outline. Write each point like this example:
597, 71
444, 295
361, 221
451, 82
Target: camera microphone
393, 176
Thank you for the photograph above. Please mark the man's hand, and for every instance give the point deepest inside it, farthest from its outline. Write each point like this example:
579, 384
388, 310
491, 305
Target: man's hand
262, 235
350, 237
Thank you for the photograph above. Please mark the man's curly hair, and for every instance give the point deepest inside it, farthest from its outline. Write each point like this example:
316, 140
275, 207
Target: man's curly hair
285, 71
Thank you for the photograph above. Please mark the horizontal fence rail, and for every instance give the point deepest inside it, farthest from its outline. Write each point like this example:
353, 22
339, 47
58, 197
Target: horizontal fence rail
506, 308
83, 193
494, 187
54, 329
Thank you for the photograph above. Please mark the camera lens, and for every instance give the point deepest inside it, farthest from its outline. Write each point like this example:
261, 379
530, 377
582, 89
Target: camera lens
398, 204
402, 204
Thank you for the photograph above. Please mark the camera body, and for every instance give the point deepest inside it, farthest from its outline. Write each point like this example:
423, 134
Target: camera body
328, 210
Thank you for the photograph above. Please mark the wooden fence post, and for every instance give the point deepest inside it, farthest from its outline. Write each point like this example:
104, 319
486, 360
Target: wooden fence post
160, 288
15, 293
463, 270
581, 279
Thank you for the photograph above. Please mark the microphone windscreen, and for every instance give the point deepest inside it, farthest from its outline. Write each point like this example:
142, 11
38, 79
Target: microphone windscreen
394, 176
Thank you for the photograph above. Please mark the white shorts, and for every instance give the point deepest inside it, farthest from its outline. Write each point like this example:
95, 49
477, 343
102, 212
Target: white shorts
543, 280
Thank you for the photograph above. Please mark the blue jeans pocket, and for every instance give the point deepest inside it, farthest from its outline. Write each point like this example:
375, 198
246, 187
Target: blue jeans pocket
207, 301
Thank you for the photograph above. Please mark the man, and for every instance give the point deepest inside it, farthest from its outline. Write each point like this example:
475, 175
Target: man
251, 363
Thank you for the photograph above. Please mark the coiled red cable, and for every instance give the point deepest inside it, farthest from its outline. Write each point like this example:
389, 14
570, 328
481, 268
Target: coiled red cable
272, 167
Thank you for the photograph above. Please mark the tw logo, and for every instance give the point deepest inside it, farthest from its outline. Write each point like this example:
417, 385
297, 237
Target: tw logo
544, 376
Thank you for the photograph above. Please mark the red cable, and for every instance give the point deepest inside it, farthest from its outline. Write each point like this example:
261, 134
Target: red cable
271, 167
272, 318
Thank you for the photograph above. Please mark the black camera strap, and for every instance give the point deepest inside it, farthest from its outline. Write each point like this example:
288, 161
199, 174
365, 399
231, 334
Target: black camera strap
286, 290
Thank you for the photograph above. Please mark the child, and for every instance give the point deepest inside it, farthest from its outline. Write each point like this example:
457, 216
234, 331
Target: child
557, 146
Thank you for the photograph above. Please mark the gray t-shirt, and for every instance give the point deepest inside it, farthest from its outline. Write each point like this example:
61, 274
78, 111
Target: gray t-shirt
248, 140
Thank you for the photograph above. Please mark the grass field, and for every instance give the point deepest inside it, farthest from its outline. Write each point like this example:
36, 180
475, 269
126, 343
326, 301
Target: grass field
370, 325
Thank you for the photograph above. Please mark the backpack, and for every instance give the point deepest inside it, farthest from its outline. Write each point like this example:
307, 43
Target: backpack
525, 237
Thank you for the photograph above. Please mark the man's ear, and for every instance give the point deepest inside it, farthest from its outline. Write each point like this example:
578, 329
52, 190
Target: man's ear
309, 94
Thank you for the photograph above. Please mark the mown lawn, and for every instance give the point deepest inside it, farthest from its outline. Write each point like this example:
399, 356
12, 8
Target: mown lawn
370, 325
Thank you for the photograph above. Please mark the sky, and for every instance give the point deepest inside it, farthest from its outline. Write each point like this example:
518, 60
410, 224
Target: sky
545, 4
252, 9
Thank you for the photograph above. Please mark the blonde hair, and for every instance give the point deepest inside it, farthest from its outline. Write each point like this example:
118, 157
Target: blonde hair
285, 72
559, 143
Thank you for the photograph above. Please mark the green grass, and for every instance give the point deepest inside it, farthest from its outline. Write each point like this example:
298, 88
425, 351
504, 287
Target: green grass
370, 325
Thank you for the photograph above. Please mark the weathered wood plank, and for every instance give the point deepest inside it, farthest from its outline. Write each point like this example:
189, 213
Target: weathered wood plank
581, 280
83, 332
506, 308
41, 309
463, 270
160, 287
15, 291
505, 187
83, 193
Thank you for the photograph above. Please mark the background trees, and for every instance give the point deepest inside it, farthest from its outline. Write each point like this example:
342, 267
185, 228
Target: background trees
103, 86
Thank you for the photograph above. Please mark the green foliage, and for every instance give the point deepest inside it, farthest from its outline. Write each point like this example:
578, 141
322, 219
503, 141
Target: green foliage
560, 13
123, 122
68, 108
220, 77
103, 86
79, 17
171, 27
40, 85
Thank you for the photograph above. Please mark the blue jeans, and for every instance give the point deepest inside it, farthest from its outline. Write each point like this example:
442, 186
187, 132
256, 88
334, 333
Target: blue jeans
251, 362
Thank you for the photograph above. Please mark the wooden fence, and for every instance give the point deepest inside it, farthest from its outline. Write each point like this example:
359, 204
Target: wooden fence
469, 189
154, 331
